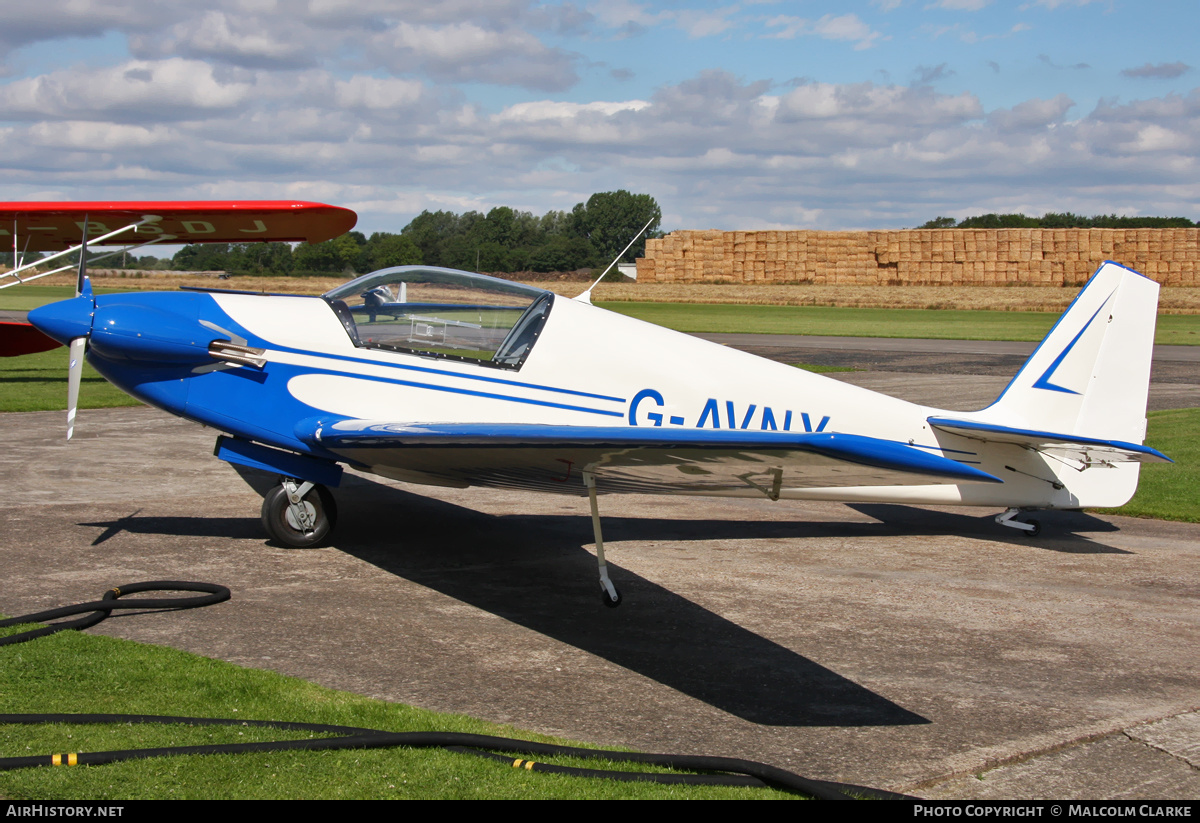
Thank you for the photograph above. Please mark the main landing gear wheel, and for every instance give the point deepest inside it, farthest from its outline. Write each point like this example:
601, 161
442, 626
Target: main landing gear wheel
299, 515
610, 600
1035, 531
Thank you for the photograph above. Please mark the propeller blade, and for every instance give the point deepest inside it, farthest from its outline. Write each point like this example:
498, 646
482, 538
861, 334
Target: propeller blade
74, 375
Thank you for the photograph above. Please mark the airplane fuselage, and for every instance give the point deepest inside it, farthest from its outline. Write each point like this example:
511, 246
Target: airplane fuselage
590, 367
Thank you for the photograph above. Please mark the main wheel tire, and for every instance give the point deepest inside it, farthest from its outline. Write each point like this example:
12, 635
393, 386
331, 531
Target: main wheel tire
1035, 531
281, 524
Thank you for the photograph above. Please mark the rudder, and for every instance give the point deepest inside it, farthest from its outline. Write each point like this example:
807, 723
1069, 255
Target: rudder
1090, 376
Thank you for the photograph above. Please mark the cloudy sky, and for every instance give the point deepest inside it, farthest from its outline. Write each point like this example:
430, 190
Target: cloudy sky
743, 114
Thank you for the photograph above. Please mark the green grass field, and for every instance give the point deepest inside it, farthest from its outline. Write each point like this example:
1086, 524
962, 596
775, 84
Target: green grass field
26, 297
38, 382
832, 321
1168, 491
78, 673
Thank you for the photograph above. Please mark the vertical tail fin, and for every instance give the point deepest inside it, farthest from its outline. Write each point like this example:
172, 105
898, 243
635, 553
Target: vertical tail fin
1091, 375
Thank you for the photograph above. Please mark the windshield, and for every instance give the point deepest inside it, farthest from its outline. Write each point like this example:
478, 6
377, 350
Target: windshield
443, 313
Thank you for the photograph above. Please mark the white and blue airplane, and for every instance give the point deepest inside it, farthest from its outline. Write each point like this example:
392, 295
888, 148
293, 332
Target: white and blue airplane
448, 378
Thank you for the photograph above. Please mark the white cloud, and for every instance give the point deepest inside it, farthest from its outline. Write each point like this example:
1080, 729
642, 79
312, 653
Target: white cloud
553, 110
629, 18
471, 52
166, 89
355, 12
845, 27
894, 107
789, 27
1054, 4
1152, 137
365, 92
23, 24
240, 40
625, 16
959, 5
356, 102
704, 23
1162, 71
83, 135
1031, 114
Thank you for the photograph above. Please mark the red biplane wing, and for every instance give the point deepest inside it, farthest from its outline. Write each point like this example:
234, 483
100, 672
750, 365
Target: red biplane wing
17, 338
58, 226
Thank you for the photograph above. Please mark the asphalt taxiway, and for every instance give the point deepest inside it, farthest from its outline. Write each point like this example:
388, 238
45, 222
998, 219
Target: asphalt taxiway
921, 650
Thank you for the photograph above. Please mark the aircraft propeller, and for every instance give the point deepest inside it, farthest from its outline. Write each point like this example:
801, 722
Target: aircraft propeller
70, 323
79, 344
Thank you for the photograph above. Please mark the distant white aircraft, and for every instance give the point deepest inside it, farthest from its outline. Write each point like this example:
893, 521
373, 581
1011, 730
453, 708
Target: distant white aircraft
448, 378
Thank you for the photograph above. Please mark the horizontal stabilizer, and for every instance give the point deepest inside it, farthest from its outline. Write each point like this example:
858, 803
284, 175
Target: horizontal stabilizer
1087, 450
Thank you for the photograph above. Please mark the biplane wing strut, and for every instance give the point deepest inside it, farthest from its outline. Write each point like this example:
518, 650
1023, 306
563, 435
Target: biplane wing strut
15, 273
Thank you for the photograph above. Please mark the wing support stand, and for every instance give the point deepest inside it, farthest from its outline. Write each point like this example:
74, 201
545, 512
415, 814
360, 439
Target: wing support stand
608, 592
1008, 518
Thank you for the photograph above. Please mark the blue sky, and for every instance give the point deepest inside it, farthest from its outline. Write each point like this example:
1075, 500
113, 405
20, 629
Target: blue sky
733, 115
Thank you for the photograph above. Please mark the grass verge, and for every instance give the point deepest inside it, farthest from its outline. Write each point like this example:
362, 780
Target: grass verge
1167, 491
72, 672
817, 368
834, 321
38, 382
30, 296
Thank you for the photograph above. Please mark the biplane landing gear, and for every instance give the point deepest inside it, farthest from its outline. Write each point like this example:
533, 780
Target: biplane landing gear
299, 514
1028, 528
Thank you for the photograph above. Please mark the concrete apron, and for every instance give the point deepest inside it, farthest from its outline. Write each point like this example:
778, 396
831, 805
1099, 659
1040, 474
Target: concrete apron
906, 648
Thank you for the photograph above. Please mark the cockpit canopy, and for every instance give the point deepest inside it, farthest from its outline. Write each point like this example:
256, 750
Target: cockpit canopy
443, 313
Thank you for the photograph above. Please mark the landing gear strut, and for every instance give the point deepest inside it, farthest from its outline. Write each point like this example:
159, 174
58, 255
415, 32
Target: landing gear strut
609, 595
299, 514
1029, 528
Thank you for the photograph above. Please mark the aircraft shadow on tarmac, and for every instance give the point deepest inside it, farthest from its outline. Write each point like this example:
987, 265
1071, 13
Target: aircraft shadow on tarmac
533, 571
1060, 529
235, 527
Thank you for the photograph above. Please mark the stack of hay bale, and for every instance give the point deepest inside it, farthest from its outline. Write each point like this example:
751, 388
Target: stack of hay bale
984, 257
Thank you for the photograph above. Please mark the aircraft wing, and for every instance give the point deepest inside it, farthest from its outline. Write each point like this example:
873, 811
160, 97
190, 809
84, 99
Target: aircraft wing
1086, 450
17, 338
56, 226
630, 459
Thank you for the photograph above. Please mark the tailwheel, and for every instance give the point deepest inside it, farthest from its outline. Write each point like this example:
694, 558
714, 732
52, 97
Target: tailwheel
1027, 528
300, 515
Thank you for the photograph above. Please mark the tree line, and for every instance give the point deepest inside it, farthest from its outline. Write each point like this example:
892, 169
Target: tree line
1056, 220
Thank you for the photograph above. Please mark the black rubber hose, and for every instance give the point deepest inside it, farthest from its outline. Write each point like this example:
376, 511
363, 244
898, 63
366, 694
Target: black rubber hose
98, 610
730, 771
